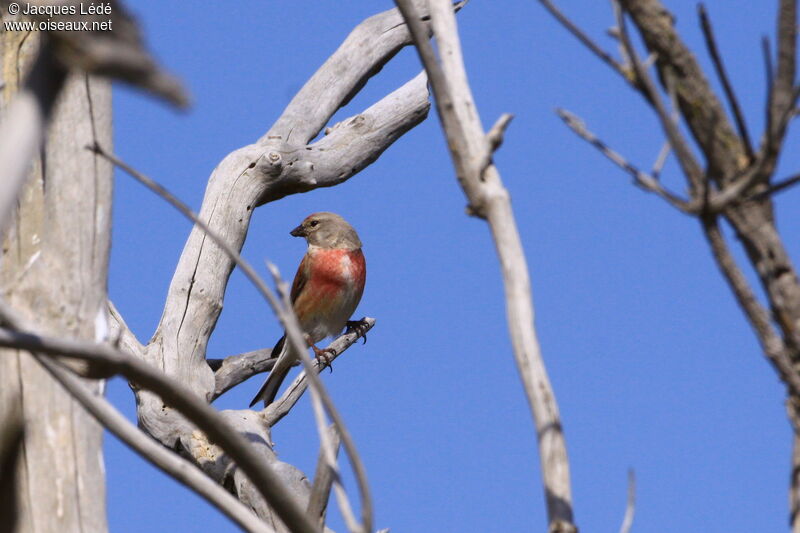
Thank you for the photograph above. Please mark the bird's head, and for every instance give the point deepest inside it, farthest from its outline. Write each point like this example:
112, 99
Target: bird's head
327, 230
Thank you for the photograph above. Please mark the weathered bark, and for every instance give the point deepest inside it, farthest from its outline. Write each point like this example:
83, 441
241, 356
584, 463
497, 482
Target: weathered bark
53, 271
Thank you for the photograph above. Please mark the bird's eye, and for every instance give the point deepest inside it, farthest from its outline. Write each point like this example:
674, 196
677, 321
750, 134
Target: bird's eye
314, 223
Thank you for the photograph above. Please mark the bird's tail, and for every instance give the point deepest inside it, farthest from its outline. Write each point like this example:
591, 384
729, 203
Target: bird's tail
270, 388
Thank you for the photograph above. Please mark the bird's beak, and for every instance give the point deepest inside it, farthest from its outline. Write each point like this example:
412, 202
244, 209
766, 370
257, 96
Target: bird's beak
299, 231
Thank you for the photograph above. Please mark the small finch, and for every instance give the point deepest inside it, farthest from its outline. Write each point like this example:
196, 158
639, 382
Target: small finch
325, 292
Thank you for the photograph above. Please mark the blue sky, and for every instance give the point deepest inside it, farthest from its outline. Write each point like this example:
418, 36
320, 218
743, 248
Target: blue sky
653, 364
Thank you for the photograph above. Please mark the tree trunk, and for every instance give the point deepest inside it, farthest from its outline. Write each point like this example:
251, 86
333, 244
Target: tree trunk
53, 271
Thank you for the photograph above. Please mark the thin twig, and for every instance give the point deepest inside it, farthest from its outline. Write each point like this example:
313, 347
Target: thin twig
281, 407
679, 144
645, 181
661, 158
323, 480
604, 56
783, 86
794, 485
722, 74
285, 315
495, 136
666, 148
168, 461
119, 332
769, 76
759, 171
630, 506
776, 188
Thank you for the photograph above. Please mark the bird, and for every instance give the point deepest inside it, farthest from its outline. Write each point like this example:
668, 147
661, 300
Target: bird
325, 292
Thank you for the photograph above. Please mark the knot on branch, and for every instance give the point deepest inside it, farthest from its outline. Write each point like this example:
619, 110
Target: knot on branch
270, 164
356, 122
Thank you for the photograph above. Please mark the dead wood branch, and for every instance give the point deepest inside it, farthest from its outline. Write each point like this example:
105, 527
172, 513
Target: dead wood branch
489, 199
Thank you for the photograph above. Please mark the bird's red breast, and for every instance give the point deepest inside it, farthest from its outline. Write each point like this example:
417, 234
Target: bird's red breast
327, 288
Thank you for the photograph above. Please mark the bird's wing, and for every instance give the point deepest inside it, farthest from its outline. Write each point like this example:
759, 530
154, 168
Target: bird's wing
301, 278
269, 389
284, 363
359, 270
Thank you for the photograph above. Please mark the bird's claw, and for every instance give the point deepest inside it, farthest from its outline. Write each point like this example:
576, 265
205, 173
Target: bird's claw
325, 356
360, 327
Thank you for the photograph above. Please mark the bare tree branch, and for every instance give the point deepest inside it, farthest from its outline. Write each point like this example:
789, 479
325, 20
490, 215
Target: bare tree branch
769, 78
495, 135
699, 106
782, 99
153, 452
323, 480
490, 200
119, 332
794, 484
362, 55
248, 270
661, 158
54, 266
630, 506
740, 187
236, 369
579, 34
679, 144
719, 67
281, 407
776, 188
348, 146
645, 181
456, 134
738, 179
